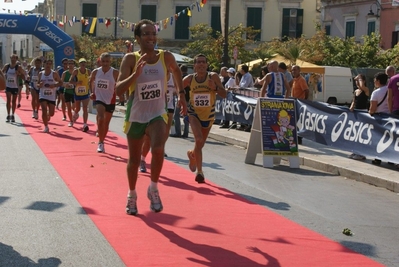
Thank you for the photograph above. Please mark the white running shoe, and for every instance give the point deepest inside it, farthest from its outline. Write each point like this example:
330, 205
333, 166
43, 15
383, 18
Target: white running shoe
75, 117
46, 129
100, 148
70, 124
156, 203
33, 114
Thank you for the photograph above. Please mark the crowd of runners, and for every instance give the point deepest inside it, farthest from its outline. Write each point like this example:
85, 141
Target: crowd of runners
153, 80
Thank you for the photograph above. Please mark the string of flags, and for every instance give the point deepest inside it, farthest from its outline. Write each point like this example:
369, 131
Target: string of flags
91, 22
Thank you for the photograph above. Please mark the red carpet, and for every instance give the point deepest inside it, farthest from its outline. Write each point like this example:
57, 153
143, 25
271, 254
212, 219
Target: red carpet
201, 225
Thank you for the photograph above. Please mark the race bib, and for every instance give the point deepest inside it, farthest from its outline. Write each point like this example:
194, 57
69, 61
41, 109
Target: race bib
102, 84
202, 100
81, 90
48, 92
149, 90
10, 79
278, 85
35, 79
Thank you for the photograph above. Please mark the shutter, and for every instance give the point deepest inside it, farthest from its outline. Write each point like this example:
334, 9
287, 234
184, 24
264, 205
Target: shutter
395, 36
149, 12
89, 11
299, 23
182, 24
215, 20
286, 24
254, 19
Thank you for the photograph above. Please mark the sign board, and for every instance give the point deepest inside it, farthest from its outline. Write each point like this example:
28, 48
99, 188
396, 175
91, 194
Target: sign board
274, 132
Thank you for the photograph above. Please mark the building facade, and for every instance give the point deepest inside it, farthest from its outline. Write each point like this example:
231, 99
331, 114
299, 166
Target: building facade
388, 12
275, 18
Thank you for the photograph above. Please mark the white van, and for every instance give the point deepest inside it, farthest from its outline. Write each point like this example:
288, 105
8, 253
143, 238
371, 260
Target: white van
337, 86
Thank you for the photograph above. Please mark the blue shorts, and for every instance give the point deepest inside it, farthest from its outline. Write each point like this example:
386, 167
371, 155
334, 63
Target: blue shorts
80, 98
204, 124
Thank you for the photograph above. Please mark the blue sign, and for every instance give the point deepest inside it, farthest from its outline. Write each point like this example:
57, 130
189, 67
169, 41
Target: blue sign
61, 43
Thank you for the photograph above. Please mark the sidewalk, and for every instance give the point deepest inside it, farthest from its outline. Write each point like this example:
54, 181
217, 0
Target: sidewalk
322, 158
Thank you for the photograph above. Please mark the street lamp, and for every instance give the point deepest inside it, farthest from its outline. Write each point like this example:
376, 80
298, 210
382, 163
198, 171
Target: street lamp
225, 56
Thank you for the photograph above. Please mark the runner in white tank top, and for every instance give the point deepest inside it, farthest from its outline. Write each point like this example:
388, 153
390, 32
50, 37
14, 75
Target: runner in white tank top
48, 81
102, 83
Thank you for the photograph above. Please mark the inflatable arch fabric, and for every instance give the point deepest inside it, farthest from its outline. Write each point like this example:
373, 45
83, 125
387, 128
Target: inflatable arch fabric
61, 43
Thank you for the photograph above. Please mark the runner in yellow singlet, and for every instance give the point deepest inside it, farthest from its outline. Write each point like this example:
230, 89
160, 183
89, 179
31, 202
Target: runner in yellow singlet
203, 87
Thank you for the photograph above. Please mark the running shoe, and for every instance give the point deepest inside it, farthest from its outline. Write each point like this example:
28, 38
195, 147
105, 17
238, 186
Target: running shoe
8, 118
70, 124
12, 118
46, 129
131, 206
100, 148
97, 133
64, 118
200, 178
351, 155
33, 114
358, 157
85, 128
191, 164
143, 168
36, 115
75, 117
156, 203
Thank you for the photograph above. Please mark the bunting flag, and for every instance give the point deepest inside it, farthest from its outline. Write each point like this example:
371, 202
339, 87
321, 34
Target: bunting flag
90, 23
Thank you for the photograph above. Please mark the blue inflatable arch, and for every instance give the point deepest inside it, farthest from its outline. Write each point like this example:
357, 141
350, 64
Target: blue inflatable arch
61, 43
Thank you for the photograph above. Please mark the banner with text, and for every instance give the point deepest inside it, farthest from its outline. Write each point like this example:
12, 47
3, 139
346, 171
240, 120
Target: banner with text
374, 136
235, 107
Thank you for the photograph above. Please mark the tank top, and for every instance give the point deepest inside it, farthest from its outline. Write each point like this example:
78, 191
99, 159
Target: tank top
46, 92
83, 88
361, 101
169, 93
202, 99
148, 97
34, 77
69, 88
104, 86
11, 75
276, 88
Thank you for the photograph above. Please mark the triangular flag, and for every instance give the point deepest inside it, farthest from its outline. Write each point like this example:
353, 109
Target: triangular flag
61, 23
74, 19
70, 22
203, 2
107, 22
198, 7
100, 20
65, 19
188, 12
93, 25
171, 20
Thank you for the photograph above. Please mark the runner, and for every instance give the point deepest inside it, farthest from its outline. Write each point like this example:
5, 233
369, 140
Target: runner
61, 89
146, 71
49, 80
171, 109
203, 86
102, 82
34, 79
80, 78
12, 71
69, 90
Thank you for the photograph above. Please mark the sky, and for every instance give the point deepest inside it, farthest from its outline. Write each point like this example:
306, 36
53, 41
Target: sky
18, 5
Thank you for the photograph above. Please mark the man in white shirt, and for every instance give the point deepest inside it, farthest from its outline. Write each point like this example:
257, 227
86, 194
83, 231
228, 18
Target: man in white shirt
379, 99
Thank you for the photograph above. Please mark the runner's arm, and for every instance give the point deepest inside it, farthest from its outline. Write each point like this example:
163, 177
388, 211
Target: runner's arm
57, 78
72, 79
91, 82
126, 76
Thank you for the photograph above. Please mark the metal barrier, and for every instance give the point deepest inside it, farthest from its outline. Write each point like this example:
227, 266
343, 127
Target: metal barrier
251, 92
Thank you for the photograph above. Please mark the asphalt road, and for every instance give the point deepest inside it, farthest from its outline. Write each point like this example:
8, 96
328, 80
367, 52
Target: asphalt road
55, 231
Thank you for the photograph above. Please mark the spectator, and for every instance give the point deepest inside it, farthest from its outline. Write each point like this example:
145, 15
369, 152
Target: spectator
231, 84
283, 69
246, 80
176, 115
360, 102
261, 79
378, 99
275, 85
300, 89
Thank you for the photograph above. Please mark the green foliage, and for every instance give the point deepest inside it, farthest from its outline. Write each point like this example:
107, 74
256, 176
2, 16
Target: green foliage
206, 41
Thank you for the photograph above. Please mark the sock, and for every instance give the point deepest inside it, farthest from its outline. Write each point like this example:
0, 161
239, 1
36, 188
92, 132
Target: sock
132, 193
153, 186
142, 158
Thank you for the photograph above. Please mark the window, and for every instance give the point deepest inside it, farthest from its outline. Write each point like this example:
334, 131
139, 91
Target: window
327, 28
182, 23
395, 38
254, 19
370, 27
89, 11
149, 12
349, 29
215, 20
292, 23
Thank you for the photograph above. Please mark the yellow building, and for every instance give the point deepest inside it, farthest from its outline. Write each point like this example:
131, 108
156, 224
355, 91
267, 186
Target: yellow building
275, 18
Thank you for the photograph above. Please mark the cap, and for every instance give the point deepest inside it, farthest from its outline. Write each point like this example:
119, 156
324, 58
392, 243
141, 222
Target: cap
231, 70
82, 60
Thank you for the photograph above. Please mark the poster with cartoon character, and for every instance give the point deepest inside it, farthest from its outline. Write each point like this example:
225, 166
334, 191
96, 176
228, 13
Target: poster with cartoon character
279, 134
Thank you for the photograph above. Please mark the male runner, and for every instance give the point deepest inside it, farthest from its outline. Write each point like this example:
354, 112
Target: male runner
102, 82
69, 90
145, 73
34, 79
203, 87
80, 78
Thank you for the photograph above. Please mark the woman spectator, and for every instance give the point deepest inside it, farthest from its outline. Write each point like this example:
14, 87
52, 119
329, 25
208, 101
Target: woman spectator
360, 102
261, 79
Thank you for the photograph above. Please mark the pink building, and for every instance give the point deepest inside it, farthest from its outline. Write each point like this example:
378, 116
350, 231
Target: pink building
389, 18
